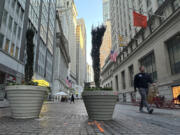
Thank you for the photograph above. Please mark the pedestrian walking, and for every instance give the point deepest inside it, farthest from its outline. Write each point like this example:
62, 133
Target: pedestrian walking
178, 97
72, 99
141, 82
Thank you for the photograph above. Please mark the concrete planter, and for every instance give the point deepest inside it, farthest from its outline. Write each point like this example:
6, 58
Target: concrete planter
25, 100
100, 104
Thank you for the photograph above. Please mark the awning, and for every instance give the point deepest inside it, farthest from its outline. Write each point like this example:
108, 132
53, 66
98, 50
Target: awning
61, 93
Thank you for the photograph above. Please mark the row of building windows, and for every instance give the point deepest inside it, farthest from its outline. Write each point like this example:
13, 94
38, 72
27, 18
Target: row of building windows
9, 47
16, 6
11, 23
148, 61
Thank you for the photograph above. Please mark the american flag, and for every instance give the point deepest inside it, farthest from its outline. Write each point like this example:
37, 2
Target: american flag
113, 56
68, 82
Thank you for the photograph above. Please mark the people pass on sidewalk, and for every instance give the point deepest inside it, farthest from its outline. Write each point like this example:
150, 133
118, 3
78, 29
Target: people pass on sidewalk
141, 82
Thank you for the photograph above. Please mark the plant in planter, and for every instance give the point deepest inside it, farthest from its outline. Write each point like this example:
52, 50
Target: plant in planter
26, 99
99, 102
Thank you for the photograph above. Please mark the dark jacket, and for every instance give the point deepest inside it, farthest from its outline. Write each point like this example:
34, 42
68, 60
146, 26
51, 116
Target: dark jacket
72, 98
178, 97
142, 80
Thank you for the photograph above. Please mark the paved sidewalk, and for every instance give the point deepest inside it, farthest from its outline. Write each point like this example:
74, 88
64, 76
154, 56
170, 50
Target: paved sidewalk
55, 119
71, 119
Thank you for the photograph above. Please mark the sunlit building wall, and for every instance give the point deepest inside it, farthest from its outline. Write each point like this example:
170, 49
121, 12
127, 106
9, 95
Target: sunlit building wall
81, 52
106, 44
90, 73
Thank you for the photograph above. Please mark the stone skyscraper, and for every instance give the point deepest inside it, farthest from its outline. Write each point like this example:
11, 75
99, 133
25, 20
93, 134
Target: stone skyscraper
121, 16
106, 10
81, 52
68, 12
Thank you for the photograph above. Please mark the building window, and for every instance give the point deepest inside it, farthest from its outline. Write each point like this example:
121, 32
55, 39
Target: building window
17, 51
117, 85
176, 4
131, 75
149, 3
15, 28
173, 46
21, 15
19, 32
13, 3
123, 80
10, 23
5, 14
1, 40
12, 50
150, 66
6, 48
18, 9
160, 2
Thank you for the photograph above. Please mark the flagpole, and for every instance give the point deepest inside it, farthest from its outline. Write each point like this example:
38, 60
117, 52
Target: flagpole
148, 13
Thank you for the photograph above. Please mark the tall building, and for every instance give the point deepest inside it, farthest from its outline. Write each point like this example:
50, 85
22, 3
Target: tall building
69, 14
121, 16
157, 48
106, 44
106, 10
16, 17
90, 73
61, 59
81, 52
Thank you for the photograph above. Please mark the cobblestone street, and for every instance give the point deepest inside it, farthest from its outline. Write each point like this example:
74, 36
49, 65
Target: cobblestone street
71, 119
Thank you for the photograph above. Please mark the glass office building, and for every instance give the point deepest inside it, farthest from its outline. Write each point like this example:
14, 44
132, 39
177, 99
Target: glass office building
15, 17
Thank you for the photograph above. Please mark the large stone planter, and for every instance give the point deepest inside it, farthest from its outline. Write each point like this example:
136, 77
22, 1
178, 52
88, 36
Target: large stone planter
100, 104
25, 100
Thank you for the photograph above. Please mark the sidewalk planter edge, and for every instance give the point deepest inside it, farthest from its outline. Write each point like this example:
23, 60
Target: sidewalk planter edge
25, 100
100, 104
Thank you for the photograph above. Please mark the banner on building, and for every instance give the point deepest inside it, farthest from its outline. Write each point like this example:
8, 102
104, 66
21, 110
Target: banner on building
122, 41
139, 20
113, 56
68, 82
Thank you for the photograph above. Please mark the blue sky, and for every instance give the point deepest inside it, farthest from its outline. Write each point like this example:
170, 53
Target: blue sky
91, 11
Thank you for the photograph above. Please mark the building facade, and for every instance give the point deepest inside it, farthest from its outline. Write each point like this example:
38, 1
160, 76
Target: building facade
90, 73
106, 10
16, 16
69, 22
157, 48
61, 59
121, 16
81, 52
106, 44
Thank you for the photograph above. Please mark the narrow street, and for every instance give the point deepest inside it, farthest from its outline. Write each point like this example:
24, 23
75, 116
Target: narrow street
71, 119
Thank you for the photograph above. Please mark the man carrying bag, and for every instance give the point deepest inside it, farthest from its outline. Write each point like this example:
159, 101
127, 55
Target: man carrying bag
141, 82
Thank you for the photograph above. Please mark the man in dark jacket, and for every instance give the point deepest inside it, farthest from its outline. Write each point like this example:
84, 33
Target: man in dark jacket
72, 99
141, 82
